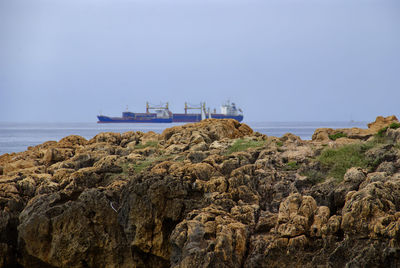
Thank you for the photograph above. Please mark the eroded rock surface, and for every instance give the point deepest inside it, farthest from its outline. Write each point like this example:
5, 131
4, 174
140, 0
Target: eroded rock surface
210, 194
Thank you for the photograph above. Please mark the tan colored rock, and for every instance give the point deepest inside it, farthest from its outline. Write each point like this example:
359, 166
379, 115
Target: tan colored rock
18, 165
218, 145
266, 221
295, 215
67, 234
53, 155
106, 137
245, 213
298, 153
72, 141
150, 136
211, 238
321, 218
364, 209
200, 171
199, 147
27, 186
394, 134
298, 242
332, 226
207, 130
108, 164
128, 137
175, 148
322, 134
291, 138
381, 122
215, 184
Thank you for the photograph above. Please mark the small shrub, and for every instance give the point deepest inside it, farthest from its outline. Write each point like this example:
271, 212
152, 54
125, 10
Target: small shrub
314, 176
381, 132
244, 144
279, 143
292, 165
337, 136
394, 125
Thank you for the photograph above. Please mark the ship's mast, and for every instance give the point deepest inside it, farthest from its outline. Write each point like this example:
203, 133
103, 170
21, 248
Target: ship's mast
203, 111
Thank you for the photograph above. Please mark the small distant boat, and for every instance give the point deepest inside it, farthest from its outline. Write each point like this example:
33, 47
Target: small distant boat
162, 114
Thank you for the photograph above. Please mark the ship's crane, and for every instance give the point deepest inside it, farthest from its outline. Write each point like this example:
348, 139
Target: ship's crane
187, 107
202, 109
148, 107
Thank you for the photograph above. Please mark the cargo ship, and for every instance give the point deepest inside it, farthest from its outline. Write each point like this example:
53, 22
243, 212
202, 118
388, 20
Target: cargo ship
162, 114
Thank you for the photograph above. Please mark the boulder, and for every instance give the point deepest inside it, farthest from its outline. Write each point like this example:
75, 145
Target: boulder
72, 231
209, 238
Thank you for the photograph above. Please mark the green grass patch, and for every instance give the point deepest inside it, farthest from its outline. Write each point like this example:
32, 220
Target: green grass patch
243, 144
337, 136
139, 166
147, 144
279, 143
337, 161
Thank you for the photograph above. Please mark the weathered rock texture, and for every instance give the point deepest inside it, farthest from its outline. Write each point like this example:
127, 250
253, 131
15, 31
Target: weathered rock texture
322, 134
186, 198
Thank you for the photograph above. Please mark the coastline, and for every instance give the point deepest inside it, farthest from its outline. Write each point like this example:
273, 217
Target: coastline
213, 193
17, 137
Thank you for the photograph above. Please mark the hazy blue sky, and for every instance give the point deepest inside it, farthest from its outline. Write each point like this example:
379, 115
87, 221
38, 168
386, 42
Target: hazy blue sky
280, 60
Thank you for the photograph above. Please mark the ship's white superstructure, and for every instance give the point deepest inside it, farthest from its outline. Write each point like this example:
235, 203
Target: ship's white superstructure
230, 109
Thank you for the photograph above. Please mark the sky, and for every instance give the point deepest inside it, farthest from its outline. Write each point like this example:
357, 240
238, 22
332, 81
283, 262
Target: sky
279, 60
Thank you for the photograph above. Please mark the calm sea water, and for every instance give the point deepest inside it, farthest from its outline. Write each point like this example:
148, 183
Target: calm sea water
16, 137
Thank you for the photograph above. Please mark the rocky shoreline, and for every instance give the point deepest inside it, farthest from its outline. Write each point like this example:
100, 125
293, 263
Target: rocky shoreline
209, 194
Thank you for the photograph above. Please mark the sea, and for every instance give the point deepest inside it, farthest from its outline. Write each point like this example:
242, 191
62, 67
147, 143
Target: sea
17, 137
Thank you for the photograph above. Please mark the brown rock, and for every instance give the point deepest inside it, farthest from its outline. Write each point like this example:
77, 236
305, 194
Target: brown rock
364, 208
295, 215
381, 122
322, 134
63, 232
211, 239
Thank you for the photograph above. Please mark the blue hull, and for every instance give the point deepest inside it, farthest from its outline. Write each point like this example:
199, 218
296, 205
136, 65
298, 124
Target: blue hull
221, 116
106, 119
